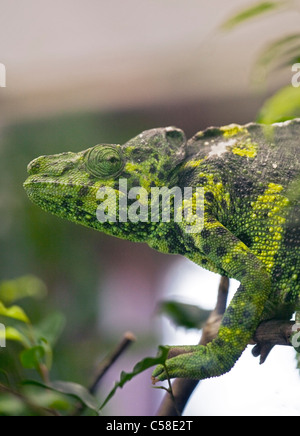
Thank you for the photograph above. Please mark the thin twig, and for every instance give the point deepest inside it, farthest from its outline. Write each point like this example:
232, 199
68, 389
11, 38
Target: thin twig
104, 366
44, 373
127, 340
43, 411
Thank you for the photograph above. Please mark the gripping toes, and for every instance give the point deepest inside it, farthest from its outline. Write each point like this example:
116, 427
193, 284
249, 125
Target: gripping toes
197, 362
185, 364
173, 368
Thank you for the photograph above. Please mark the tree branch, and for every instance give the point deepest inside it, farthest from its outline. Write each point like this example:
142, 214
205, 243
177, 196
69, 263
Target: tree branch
271, 333
267, 335
104, 366
182, 389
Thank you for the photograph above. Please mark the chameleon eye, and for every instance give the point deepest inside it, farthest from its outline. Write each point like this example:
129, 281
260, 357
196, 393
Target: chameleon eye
104, 161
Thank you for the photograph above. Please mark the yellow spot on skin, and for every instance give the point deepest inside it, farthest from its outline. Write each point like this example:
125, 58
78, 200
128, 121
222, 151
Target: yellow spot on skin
131, 167
232, 130
268, 242
193, 163
247, 149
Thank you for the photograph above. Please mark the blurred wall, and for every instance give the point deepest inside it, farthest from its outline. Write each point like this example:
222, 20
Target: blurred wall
74, 55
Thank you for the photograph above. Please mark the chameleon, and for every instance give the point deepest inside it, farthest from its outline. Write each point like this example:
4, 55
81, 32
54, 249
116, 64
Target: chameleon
249, 177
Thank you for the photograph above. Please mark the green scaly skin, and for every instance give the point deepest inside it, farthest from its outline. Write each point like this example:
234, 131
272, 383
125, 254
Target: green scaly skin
250, 175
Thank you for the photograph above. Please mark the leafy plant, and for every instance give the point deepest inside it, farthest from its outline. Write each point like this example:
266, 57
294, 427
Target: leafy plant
37, 396
26, 385
184, 315
252, 12
140, 367
283, 53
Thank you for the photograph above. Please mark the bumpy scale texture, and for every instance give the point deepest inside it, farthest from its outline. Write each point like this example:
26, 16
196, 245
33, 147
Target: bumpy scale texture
251, 180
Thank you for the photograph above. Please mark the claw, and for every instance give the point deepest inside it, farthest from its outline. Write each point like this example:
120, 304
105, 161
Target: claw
158, 374
154, 380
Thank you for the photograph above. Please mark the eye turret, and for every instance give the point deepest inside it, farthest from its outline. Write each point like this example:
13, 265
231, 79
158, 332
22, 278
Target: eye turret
104, 161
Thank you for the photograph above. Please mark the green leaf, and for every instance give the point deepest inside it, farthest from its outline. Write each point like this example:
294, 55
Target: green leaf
42, 397
48, 353
279, 53
26, 286
12, 406
14, 312
73, 390
283, 106
140, 367
33, 357
184, 315
50, 328
77, 391
12, 334
39, 354
250, 13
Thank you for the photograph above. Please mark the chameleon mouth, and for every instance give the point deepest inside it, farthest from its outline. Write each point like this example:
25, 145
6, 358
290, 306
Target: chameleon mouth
34, 180
49, 197
34, 189
28, 184
60, 198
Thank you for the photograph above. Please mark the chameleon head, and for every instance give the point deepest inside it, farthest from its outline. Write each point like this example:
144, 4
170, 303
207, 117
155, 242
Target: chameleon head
68, 184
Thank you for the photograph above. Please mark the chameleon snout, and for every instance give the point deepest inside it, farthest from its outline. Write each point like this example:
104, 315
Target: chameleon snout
52, 166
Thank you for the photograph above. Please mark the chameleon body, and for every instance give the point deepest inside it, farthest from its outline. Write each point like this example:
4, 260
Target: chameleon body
250, 176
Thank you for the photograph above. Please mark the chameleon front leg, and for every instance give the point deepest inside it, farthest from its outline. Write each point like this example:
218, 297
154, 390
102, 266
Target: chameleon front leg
241, 317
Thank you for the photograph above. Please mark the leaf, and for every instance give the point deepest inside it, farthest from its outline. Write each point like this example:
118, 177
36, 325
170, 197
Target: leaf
140, 367
42, 397
50, 328
77, 391
33, 357
252, 12
14, 312
48, 352
71, 389
12, 334
26, 286
12, 405
291, 61
283, 51
283, 106
184, 315
39, 354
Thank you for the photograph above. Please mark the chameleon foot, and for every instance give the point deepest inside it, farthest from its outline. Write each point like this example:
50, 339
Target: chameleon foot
198, 363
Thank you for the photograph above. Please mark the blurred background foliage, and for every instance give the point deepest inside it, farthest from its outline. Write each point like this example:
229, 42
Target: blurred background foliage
56, 270
67, 258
